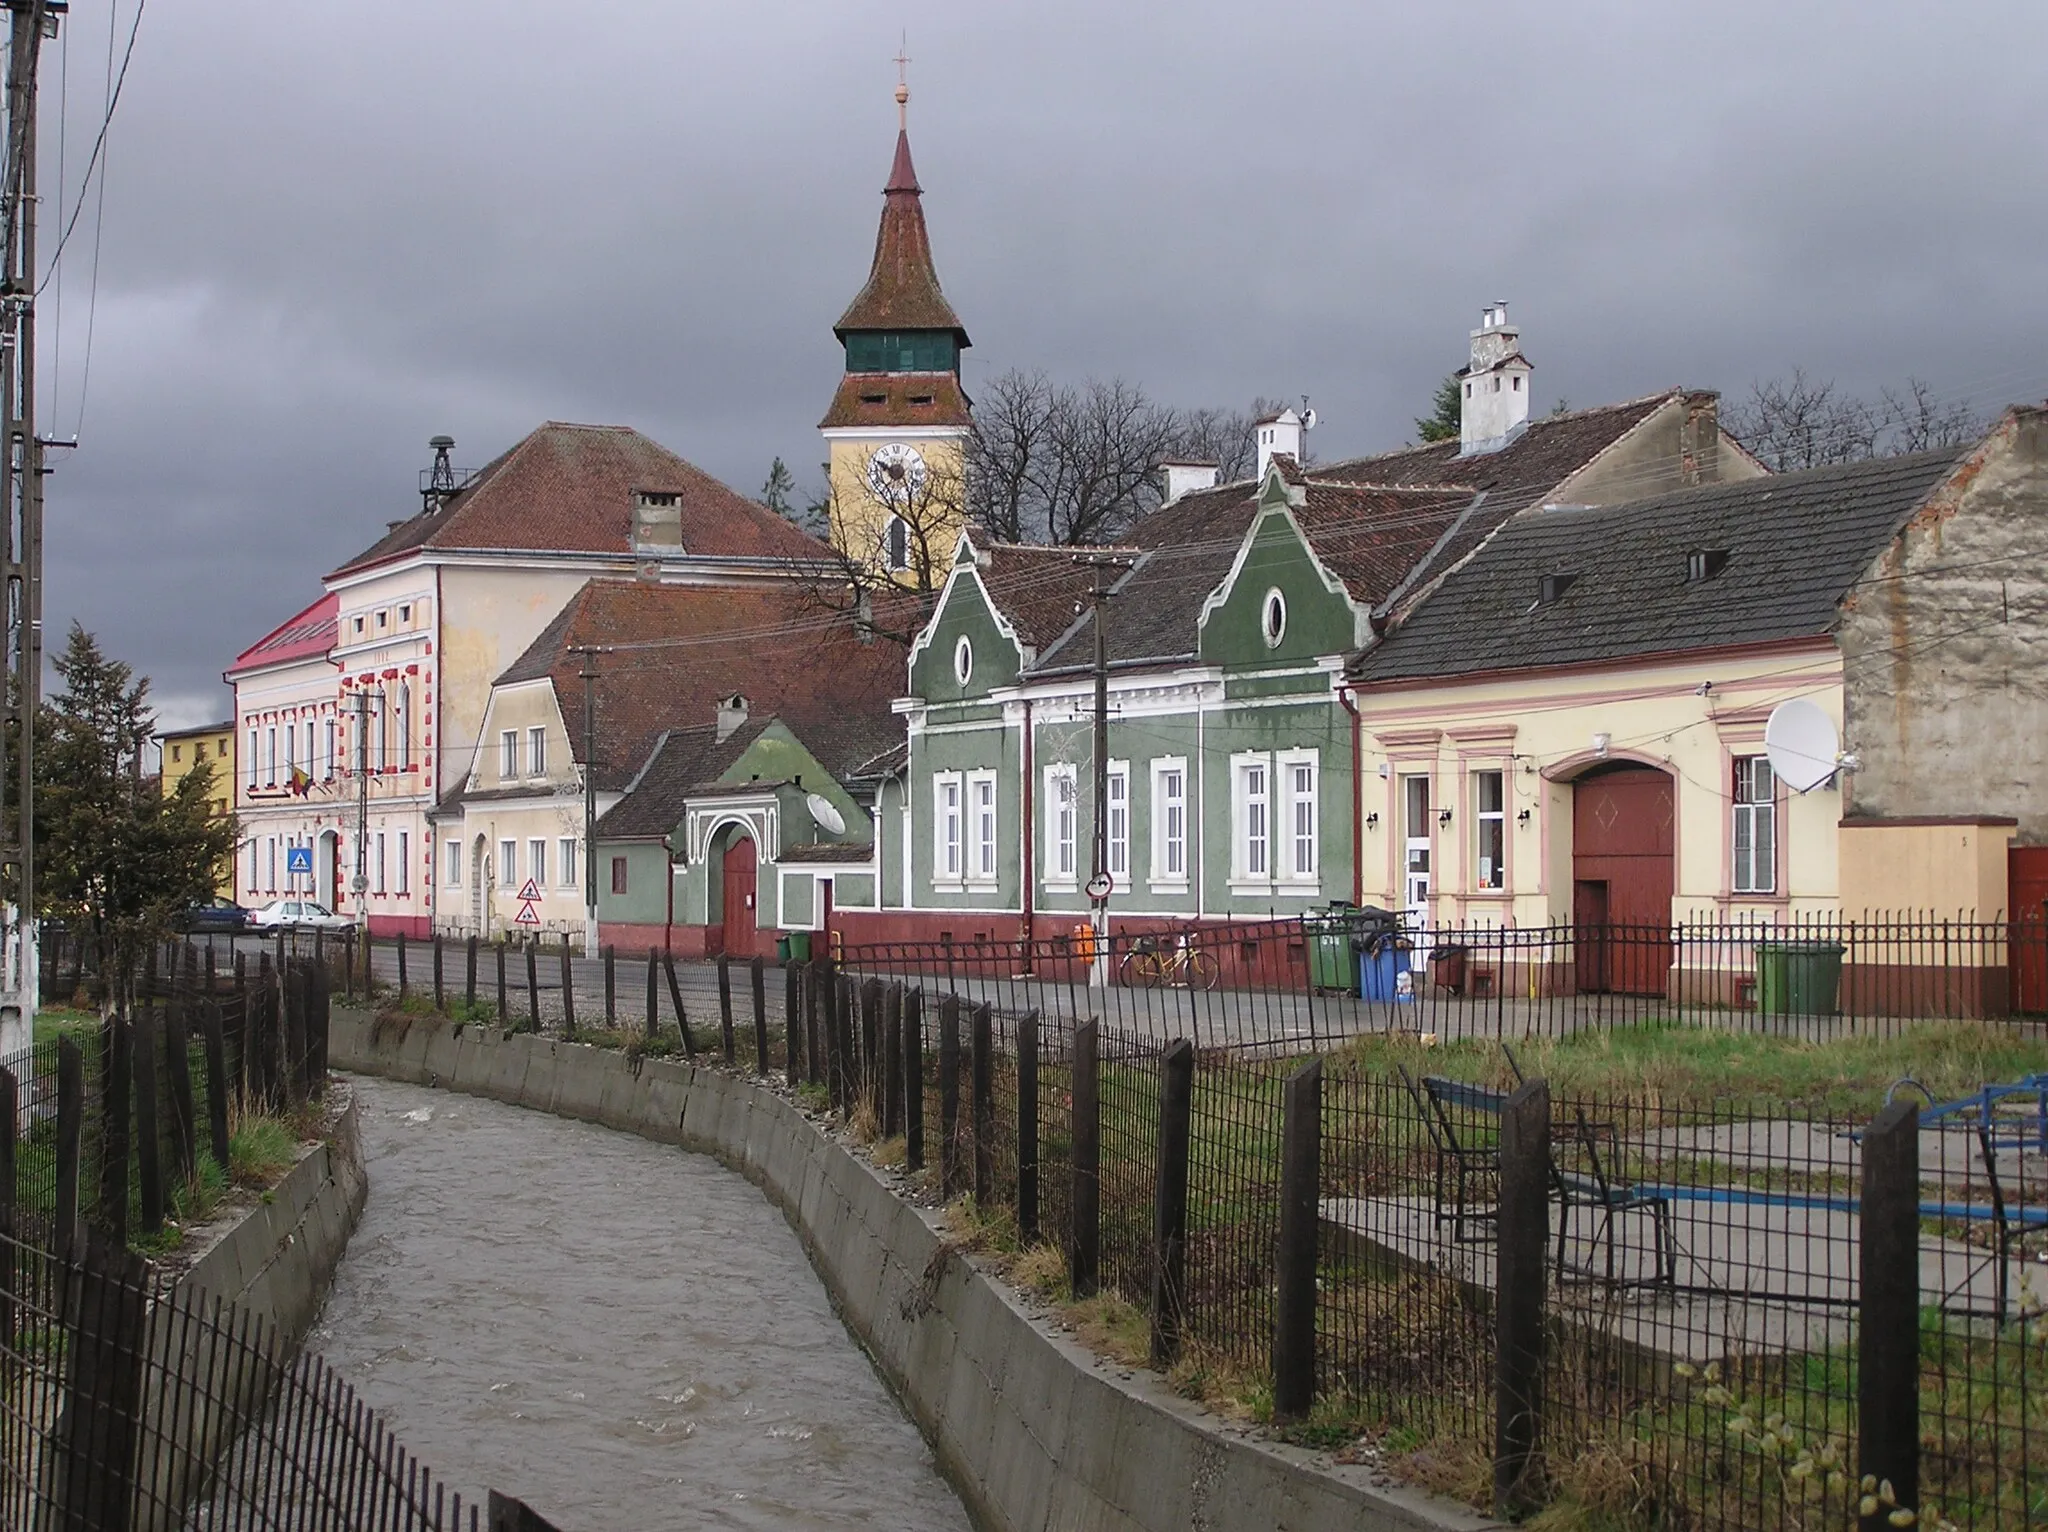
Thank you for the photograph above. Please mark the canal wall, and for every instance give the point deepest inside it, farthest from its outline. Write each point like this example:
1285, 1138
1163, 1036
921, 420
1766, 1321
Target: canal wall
1033, 1430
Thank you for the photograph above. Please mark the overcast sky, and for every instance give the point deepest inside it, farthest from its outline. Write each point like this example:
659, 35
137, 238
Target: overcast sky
332, 231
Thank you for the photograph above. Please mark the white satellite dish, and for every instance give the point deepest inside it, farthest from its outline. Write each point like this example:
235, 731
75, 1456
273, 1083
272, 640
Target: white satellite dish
830, 820
1802, 745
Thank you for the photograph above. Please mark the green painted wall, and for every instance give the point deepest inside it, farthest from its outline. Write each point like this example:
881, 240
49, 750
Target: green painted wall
1318, 619
645, 901
965, 612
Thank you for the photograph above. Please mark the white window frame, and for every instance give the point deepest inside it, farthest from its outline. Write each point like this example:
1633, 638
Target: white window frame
1749, 873
454, 863
377, 864
949, 829
404, 883
537, 860
253, 768
1481, 818
570, 860
270, 756
984, 821
291, 750
1299, 823
508, 755
537, 751
328, 774
1117, 822
1062, 788
1168, 847
270, 863
508, 864
1251, 821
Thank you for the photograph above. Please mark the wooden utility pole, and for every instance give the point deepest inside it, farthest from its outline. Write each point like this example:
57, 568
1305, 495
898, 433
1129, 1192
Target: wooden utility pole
589, 673
21, 513
1100, 884
359, 886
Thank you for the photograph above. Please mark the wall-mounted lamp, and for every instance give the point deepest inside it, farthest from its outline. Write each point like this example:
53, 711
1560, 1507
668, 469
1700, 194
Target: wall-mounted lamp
1600, 744
1522, 818
1372, 821
1385, 770
1443, 816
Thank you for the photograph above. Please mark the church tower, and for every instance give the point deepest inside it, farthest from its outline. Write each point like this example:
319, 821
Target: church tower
897, 428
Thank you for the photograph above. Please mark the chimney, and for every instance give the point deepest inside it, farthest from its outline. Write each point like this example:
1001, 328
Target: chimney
1278, 433
657, 522
1495, 402
732, 712
1183, 475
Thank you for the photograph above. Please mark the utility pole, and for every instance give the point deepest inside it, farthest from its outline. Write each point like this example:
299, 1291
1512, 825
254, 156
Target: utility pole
360, 886
21, 513
1100, 883
589, 673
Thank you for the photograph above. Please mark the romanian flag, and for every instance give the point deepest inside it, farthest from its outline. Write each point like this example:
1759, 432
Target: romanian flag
301, 781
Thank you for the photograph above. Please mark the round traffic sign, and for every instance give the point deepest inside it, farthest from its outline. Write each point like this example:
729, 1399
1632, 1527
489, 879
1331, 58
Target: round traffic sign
1100, 885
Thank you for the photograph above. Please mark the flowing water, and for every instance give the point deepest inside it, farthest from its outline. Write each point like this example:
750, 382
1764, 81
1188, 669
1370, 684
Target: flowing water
621, 1334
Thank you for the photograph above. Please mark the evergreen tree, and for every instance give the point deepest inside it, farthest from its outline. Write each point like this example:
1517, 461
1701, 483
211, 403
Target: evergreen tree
775, 494
116, 856
1443, 421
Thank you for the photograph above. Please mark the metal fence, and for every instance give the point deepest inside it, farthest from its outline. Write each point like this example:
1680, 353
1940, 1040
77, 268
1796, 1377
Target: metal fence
1718, 1315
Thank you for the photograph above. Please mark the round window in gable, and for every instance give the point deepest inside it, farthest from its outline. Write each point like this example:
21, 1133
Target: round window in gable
1273, 618
963, 660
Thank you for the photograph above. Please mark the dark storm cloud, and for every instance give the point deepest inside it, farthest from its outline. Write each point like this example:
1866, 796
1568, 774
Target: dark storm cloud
333, 231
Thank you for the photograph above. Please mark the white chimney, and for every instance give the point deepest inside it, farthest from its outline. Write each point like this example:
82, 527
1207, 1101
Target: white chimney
1184, 475
732, 712
1278, 433
1495, 403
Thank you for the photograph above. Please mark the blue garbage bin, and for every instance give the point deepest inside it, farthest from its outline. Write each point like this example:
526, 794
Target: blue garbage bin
1384, 973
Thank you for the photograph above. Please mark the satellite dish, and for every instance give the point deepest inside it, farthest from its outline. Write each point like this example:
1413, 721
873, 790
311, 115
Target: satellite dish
1308, 420
1802, 745
830, 820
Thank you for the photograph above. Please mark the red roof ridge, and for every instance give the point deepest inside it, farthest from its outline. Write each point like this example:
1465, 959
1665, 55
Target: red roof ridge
323, 611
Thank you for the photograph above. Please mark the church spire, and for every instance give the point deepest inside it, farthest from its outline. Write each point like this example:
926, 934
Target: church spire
902, 291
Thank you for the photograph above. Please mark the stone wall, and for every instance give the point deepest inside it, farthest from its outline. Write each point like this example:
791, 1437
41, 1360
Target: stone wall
1034, 1431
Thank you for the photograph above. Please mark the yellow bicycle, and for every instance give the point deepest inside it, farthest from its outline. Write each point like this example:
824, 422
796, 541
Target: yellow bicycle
1182, 965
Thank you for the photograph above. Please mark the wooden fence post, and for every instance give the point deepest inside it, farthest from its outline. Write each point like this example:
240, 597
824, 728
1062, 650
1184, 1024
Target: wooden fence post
178, 1061
568, 990
149, 1164
725, 1004
792, 1022
913, 1079
1888, 1326
293, 1057
107, 1336
469, 976
404, 979
981, 1074
846, 1033
653, 993
117, 1082
611, 987
348, 943
440, 981
675, 997
70, 1128
1027, 1129
319, 1022
1294, 1307
1521, 1268
213, 1030
816, 1009
949, 1096
892, 1061
504, 996
823, 1044
10, 1128
1170, 1200
757, 976
1084, 1261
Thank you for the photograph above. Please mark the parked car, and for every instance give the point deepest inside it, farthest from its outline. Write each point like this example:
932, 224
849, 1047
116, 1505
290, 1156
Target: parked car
295, 914
217, 914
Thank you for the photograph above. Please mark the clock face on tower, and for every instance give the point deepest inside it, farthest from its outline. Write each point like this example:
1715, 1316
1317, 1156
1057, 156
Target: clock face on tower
896, 473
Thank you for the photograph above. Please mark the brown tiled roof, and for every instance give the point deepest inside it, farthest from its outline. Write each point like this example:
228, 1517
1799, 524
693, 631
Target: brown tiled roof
855, 851
570, 488
902, 291
898, 399
655, 805
1037, 588
677, 650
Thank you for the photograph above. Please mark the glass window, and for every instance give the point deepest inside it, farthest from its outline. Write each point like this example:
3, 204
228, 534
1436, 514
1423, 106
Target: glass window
252, 757
1118, 798
1169, 820
403, 729
896, 544
270, 863
537, 862
508, 754
1062, 812
537, 751
508, 864
1490, 818
566, 860
946, 827
982, 797
270, 757
905, 351
377, 864
618, 875
327, 762
454, 877
1756, 826
1299, 778
405, 861
1254, 832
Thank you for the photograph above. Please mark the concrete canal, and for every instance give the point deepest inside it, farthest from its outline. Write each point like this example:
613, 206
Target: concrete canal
623, 1334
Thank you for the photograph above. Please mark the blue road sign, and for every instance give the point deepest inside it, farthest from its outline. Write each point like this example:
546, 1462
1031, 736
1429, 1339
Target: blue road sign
298, 860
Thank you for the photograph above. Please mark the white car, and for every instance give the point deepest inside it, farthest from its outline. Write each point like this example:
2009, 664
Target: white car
294, 914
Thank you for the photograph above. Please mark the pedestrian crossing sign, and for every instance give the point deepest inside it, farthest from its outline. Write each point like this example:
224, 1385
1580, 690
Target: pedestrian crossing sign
531, 891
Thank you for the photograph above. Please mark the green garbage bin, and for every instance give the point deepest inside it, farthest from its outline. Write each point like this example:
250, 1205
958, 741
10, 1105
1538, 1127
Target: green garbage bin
799, 946
1799, 978
1328, 937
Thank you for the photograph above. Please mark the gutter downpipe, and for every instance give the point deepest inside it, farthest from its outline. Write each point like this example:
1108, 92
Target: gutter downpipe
1027, 830
1350, 702
668, 925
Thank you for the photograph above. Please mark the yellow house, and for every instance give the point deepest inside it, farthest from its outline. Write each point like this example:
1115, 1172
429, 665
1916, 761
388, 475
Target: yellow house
897, 429
1570, 729
184, 749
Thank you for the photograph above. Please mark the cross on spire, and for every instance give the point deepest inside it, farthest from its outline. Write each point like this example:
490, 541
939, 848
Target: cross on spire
903, 82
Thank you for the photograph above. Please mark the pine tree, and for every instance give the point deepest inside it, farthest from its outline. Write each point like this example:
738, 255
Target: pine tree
1444, 421
776, 492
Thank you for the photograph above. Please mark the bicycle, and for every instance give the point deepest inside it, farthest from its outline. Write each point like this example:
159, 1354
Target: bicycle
1181, 966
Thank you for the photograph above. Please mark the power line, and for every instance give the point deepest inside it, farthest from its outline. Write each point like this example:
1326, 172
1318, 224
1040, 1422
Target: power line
99, 145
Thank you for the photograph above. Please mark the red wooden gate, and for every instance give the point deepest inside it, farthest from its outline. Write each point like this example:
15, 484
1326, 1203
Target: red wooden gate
2027, 908
1623, 835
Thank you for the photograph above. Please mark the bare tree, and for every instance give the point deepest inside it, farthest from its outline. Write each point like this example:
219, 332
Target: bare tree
886, 567
1796, 422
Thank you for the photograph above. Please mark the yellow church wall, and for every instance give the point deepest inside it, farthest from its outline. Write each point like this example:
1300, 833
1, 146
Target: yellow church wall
859, 518
1540, 730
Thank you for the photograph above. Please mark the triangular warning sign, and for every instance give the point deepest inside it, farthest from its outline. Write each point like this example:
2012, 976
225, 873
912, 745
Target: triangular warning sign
531, 891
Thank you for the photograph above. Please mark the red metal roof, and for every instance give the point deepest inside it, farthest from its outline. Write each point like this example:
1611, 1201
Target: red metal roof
311, 632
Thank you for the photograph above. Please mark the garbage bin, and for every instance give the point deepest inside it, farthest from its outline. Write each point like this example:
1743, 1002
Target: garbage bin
1798, 978
1328, 936
794, 947
1383, 970
1447, 967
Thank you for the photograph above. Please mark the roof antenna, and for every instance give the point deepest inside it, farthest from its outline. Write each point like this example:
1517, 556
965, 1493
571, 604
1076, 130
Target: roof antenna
903, 83
439, 481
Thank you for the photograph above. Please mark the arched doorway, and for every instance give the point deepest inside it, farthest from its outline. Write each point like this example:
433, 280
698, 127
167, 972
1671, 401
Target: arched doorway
1624, 829
327, 868
729, 891
479, 885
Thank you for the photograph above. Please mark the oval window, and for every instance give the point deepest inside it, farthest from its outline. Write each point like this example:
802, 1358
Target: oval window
1273, 619
963, 660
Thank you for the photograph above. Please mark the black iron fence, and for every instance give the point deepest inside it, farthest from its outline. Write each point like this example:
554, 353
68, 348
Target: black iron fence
1705, 1314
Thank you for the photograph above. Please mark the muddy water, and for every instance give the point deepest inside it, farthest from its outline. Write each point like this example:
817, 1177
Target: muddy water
619, 1333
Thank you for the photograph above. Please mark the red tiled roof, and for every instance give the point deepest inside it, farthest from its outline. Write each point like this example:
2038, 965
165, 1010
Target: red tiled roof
311, 632
1037, 588
569, 488
902, 291
898, 399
